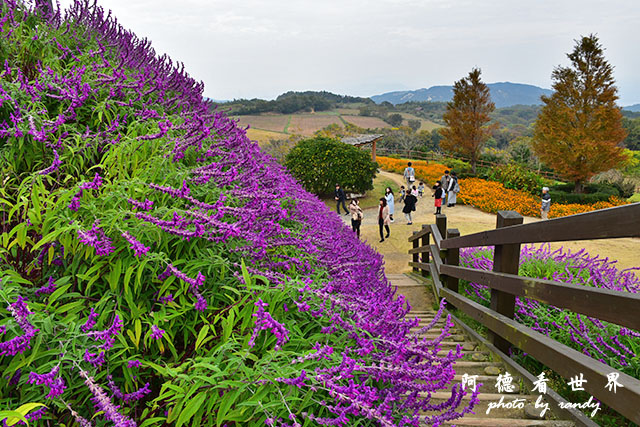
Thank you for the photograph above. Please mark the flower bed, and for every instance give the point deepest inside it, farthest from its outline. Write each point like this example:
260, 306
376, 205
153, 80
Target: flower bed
427, 172
492, 196
158, 268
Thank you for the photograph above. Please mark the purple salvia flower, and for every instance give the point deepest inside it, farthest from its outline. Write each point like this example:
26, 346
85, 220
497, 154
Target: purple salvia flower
91, 321
134, 364
104, 404
264, 321
138, 247
56, 385
95, 359
145, 206
54, 166
156, 333
48, 289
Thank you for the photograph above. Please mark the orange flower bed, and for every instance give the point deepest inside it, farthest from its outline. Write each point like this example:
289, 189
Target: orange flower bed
490, 196
428, 173
574, 208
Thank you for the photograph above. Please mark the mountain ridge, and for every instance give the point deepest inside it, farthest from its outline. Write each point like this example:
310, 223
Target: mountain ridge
503, 94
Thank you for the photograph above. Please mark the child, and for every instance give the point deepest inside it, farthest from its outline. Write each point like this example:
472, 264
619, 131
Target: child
414, 191
403, 193
438, 197
421, 189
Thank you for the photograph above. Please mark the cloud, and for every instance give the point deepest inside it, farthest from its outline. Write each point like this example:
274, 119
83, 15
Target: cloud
247, 48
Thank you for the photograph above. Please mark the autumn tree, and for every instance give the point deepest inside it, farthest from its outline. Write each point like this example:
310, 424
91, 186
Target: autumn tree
579, 129
467, 118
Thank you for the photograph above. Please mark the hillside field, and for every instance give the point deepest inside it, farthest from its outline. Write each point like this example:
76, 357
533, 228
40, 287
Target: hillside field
265, 127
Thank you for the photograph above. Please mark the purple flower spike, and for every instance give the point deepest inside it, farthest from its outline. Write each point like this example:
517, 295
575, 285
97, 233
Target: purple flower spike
156, 333
138, 248
54, 166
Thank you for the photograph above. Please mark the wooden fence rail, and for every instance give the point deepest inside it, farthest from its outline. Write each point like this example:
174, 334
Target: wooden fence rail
620, 308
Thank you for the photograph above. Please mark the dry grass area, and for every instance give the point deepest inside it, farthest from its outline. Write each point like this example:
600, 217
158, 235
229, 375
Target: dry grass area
366, 122
348, 111
470, 220
308, 124
262, 136
275, 123
427, 125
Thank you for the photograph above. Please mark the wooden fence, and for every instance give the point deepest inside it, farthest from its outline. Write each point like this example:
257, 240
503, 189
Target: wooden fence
440, 259
438, 157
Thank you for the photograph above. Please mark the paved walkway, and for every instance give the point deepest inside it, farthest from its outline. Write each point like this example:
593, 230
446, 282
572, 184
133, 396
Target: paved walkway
476, 361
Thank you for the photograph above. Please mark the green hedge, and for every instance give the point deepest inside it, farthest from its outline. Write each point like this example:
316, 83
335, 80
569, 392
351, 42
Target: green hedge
563, 194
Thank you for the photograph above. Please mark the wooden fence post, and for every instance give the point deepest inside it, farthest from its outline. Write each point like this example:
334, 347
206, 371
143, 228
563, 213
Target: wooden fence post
441, 223
452, 258
506, 259
416, 256
425, 255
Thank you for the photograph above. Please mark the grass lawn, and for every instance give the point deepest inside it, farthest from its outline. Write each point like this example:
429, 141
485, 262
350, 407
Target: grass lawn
372, 197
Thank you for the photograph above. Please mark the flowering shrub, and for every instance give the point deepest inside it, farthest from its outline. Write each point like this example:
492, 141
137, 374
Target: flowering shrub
429, 173
156, 267
491, 196
614, 345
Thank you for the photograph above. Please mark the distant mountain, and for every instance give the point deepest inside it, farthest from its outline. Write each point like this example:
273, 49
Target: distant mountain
635, 108
503, 94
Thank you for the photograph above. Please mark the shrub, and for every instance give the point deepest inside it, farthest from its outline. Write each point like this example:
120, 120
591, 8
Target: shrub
319, 163
157, 267
517, 177
603, 341
461, 167
594, 192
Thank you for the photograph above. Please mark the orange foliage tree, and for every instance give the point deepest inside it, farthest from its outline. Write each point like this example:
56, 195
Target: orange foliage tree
467, 117
579, 129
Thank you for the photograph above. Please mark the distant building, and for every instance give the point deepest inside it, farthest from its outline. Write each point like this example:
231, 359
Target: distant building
363, 140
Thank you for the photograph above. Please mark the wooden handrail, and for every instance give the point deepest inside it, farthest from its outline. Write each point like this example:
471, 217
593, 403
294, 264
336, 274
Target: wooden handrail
612, 306
559, 357
418, 234
617, 222
437, 236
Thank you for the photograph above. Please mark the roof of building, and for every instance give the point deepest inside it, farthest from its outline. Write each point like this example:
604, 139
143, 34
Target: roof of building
362, 139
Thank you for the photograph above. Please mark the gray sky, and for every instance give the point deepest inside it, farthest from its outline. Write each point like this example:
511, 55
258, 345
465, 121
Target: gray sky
253, 48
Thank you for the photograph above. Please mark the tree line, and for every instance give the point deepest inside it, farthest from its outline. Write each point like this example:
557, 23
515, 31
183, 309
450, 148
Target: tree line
293, 102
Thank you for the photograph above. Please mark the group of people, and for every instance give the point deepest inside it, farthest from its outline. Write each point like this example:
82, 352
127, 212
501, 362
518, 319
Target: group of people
444, 191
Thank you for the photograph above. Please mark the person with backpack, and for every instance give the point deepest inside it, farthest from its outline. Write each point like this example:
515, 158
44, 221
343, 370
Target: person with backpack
356, 216
453, 190
340, 198
409, 175
409, 206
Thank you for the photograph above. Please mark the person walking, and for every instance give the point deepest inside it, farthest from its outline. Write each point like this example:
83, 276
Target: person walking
445, 185
421, 189
437, 194
409, 175
356, 216
383, 218
409, 206
546, 203
340, 198
452, 190
414, 191
388, 194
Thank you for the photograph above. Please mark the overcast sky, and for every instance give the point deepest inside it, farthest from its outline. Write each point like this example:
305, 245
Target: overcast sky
261, 48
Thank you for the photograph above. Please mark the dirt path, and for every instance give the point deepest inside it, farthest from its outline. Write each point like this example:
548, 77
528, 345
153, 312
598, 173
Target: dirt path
469, 220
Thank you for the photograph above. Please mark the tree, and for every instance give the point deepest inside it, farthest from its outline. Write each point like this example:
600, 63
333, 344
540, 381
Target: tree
467, 117
394, 119
414, 124
319, 163
579, 130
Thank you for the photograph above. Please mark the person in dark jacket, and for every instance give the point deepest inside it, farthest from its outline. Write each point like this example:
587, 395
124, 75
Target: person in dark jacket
409, 206
437, 194
340, 198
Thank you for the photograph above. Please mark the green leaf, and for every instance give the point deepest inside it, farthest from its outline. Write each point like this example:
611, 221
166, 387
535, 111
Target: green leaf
189, 411
201, 336
227, 401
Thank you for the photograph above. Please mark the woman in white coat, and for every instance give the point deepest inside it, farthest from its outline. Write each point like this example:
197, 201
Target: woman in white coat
390, 202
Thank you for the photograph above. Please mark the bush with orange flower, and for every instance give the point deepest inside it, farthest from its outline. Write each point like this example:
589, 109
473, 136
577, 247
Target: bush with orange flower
428, 172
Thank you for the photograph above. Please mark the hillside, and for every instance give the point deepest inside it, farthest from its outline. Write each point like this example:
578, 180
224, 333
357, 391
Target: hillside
504, 94
633, 108
157, 268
